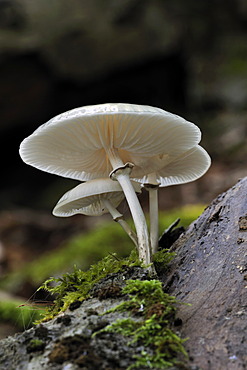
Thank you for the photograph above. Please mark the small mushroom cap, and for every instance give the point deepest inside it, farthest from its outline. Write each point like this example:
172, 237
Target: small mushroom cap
74, 144
187, 167
88, 198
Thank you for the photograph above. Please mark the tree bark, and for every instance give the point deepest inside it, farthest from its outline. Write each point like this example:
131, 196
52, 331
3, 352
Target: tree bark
209, 272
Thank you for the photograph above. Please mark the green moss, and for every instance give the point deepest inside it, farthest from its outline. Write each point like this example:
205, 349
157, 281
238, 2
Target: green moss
163, 257
35, 345
36, 342
75, 286
144, 294
155, 328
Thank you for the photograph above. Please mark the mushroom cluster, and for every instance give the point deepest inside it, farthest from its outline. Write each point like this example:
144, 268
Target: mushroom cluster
117, 149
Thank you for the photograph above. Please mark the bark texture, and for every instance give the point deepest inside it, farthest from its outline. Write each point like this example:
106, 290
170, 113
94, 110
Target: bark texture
209, 272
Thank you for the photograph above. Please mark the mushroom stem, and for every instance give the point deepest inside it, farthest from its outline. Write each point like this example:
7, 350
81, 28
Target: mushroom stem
122, 176
121, 173
152, 188
137, 214
118, 217
154, 217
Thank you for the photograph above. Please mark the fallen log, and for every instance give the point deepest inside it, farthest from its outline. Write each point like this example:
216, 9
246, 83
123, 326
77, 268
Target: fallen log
209, 273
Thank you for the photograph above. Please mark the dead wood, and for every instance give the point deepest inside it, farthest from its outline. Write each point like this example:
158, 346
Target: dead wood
210, 273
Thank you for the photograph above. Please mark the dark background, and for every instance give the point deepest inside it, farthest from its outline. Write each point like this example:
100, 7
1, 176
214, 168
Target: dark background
189, 58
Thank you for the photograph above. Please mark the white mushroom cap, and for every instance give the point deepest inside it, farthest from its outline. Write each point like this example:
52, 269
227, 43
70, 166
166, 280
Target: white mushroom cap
185, 168
74, 144
88, 198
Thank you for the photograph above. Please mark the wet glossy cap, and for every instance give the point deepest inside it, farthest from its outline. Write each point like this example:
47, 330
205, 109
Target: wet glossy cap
74, 144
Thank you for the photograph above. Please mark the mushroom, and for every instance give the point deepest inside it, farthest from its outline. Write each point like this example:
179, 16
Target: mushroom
94, 198
120, 139
185, 168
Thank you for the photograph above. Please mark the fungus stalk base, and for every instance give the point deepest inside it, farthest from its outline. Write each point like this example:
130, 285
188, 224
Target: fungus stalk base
118, 217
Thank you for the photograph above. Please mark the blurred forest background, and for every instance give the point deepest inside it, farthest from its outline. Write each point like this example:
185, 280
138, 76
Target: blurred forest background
187, 57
